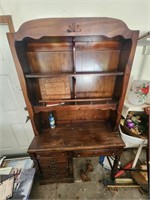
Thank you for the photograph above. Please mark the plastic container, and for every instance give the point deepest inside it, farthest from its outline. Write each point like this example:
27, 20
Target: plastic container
51, 120
131, 141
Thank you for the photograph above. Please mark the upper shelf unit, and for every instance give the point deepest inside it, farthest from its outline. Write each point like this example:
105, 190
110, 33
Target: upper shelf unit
82, 65
74, 67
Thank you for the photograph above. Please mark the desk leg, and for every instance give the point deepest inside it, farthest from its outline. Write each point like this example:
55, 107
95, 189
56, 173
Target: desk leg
115, 166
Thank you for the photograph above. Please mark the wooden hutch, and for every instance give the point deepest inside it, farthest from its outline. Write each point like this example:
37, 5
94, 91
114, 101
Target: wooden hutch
77, 68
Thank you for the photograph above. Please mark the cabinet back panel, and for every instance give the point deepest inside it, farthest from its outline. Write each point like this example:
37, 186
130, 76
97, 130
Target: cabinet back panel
66, 116
47, 46
82, 115
97, 60
62, 61
50, 61
90, 86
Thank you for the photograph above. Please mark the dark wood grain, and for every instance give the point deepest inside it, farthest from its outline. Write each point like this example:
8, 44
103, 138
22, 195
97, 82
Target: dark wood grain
72, 137
77, 106
58, 26
107, 99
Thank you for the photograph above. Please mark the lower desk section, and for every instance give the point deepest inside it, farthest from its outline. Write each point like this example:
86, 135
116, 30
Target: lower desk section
55, 167
54, 150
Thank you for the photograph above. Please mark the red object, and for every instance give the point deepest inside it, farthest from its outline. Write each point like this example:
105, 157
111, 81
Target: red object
128, 166
145, 90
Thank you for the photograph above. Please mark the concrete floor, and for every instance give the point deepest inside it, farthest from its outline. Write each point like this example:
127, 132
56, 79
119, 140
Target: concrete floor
92, 190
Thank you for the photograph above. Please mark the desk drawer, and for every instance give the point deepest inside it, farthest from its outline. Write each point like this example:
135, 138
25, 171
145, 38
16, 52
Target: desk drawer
54, 165
51, 160
61, 173
50, 154
97, 152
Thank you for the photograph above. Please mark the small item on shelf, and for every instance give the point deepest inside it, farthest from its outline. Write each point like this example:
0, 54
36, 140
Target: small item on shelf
51, 120
49, 104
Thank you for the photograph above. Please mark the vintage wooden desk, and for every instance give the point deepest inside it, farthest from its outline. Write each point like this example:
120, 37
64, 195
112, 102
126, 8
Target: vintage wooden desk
77, 68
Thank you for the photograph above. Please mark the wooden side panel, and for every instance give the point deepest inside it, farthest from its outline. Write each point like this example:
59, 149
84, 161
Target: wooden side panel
22, 80
125, 63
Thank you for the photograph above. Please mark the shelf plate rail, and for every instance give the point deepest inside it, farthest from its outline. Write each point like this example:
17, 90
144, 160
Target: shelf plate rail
75, 104
77, 74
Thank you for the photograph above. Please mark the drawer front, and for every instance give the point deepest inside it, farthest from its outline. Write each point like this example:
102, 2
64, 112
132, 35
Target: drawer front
50, 154
55, 174
54, 170
54, 166
92, 153
51, 160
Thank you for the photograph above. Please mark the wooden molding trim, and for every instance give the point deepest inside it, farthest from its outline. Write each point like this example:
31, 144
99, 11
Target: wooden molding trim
73, 27
7, 19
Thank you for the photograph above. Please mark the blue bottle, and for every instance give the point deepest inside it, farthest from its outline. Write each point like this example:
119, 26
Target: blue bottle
51, 120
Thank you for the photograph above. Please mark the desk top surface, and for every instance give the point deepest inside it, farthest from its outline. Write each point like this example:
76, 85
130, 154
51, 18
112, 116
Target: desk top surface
70, 137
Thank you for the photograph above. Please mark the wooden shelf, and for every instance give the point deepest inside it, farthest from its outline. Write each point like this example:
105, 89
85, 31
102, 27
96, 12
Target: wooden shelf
77, 105
51, 75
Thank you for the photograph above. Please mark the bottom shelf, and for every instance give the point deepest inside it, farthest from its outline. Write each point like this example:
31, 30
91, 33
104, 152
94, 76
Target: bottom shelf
78, 136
